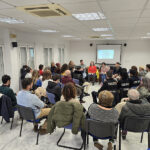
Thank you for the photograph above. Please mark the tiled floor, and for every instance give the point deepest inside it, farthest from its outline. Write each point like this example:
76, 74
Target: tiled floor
10, 140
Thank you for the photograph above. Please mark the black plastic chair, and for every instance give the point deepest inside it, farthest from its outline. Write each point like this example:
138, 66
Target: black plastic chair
100, 130
26, 113
137, 125
68, 147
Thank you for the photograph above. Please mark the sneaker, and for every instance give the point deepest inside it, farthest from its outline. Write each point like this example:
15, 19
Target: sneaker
109, 146
124, 137
98, 145
86, 94
42, 131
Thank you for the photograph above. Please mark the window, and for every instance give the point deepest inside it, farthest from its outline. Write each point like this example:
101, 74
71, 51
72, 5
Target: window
61, 55
31, 57
47, 56
1, 64
23, 56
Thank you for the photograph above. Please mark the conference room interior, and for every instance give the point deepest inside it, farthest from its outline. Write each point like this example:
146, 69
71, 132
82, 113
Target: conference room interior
51, 33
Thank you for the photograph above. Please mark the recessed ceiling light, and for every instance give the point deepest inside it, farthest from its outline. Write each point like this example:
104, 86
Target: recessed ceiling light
48, 31
89, 16
110, 38
11, 20
145, 37
106, 35
67, 36
148, 33
101, 29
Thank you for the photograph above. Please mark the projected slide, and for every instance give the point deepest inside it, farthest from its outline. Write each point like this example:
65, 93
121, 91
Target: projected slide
110, 54
106, 54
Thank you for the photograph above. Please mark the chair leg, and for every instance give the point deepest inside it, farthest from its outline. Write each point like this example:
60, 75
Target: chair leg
115, 147
2, 120
88, 140
142, 137
84, 142
148, 140
119, 137
37, 139
21, 127
68, 147
12, 123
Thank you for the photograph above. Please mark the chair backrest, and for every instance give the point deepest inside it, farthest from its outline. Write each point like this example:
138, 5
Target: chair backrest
76, 81
137, 124
26, 113
51, 98
101, 129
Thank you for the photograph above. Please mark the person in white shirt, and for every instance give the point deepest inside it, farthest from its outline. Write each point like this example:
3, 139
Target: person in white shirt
148, 71
47, 76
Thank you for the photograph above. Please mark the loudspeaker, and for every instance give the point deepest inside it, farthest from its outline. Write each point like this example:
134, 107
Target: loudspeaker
91, 44
125, 44
14, 44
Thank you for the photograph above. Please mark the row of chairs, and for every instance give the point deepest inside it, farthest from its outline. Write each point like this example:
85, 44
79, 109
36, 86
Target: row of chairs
96, 129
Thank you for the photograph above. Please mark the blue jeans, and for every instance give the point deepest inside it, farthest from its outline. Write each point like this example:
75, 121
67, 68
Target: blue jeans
103, 77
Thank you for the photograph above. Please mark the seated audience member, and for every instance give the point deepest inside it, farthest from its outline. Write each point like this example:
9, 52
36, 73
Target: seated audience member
6, 90
117, 69
58, 68
28, 73
54, 88
82, 65
92, 72
23, 72
148, 71
104, 68
109, 84
47, 76
63, 69
73, 113
41, 69
133, 108
123, 83
25, 98
35, 79
134, 79
67, 77
47, 68
135, 68
132, 95
104, 112
53, 67
144, 88
142, 72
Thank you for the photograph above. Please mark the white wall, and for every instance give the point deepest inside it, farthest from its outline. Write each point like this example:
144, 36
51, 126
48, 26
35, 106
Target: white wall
136, 53
38, 41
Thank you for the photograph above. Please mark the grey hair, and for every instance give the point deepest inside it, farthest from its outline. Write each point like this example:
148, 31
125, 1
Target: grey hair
133, 94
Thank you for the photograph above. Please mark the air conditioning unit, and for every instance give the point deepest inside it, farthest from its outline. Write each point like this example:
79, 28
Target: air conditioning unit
47, 10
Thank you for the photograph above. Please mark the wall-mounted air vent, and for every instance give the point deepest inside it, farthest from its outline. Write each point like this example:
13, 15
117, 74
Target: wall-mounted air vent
49, 10
94, 37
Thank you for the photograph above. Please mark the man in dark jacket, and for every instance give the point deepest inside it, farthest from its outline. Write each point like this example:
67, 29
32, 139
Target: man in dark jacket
133, 108
54, 88
134, 79
117, 69
110, 85
6, 90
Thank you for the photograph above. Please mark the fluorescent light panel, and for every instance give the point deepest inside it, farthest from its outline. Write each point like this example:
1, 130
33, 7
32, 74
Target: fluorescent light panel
105, 35
48, 31
145, 37
109, 38
101, 29
11, 20
67, 36
89, 16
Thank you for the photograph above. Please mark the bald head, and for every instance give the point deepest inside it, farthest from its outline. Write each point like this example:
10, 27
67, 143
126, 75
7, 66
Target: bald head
68, 73
133, 94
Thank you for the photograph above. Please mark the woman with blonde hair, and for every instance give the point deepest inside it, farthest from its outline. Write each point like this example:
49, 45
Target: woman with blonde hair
35, 79
104, 112
47, 76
